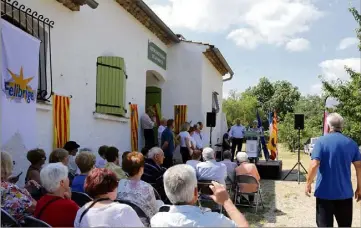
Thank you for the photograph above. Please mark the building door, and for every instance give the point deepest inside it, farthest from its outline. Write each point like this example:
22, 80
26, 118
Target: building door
153, 96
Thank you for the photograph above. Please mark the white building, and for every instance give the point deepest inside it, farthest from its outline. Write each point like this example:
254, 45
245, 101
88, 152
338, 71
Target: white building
125, 40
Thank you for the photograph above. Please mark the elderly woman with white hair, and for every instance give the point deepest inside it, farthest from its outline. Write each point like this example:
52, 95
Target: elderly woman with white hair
247, 168
56, 207
14, 200
210, 169
332, 157
180, 184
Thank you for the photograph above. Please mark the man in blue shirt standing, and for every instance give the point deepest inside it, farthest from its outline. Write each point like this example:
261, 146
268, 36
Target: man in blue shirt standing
167, 142
236, 134
331, 160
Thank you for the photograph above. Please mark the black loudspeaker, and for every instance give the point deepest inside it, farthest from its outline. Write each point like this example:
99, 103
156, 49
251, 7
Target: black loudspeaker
299, 121
211, 119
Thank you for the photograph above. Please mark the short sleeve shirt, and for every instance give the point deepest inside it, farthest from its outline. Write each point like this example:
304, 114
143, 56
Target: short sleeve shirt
336, 153
15, 200
167, 136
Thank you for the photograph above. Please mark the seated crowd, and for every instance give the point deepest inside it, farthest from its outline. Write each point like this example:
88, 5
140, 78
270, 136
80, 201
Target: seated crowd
113, 187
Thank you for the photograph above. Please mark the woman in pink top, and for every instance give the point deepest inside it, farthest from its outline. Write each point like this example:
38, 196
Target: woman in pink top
247, 168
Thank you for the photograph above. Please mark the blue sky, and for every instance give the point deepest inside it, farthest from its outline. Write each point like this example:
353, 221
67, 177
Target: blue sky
294, 40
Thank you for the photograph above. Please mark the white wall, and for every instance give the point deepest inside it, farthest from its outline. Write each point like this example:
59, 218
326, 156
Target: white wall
184, 81
191, 81
77, 39
212, 82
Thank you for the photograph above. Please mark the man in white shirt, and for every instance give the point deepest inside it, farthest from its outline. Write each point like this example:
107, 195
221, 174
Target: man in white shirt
210, 169
205, 139
163, 124
231, 166
180, 185
147, 123
196, 156
198, 137
236, 134
72, 147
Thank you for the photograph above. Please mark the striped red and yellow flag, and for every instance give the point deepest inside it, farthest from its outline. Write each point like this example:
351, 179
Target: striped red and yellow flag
61, 120
157, 113
272, 144
134, 126
180, 116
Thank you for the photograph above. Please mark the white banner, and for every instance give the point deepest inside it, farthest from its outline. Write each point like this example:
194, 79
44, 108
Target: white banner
252, 148
19, 84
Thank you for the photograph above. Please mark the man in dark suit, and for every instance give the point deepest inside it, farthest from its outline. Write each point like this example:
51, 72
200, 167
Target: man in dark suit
153, 171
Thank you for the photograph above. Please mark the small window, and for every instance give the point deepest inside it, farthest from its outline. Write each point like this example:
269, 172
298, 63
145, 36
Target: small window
215, 102
111, 83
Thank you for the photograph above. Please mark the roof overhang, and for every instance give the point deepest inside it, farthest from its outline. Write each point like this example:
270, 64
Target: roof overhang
74, 5
142, 12
215, 56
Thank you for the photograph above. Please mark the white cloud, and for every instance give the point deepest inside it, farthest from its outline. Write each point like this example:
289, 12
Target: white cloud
199, 15
254, 22
245, 38
347, 42
297, 45
316, 89
334, 69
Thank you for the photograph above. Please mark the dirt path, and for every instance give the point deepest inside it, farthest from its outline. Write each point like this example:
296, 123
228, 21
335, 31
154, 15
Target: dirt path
287, 205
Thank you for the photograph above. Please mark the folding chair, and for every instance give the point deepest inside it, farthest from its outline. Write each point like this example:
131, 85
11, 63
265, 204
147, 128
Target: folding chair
230, 184
7, 220
141, 214
248, 179
80, 198
30, 221
156, 193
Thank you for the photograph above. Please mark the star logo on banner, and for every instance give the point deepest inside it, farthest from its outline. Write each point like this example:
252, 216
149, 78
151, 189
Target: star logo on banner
19, 80
17, 87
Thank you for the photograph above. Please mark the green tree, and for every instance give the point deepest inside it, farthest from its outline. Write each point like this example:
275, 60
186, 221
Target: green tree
280, 96
240, 105
284, 98
312, 108
348, 93
286, 132
263, 91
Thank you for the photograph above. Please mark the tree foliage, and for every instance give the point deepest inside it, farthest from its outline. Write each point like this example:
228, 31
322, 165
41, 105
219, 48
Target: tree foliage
285, 98
240, 105
312, 107
348, 93
280, 96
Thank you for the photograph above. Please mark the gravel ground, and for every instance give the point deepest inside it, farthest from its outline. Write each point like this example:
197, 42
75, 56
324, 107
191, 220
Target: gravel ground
286, 205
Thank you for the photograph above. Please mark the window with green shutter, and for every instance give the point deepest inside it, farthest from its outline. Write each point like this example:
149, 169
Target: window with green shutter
111, 84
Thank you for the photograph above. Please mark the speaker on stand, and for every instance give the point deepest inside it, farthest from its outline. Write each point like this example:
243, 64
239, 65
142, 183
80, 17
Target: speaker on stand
299, 125
211, 122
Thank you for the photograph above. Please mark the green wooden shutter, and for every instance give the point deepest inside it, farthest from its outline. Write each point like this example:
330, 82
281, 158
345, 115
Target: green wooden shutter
111, 82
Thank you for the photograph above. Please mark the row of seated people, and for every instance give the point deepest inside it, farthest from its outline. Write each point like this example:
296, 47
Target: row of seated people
225, 171
130, 188
19, 202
